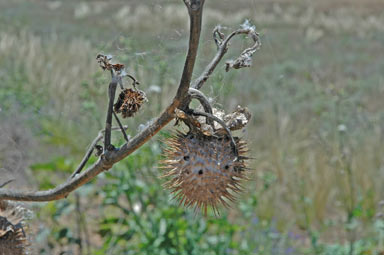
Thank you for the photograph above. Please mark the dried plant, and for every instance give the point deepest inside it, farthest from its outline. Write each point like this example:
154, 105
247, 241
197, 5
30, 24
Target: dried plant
212, 148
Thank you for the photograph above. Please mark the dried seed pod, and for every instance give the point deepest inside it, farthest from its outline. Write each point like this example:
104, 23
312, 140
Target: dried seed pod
12, 235
129, 102
236, 120
204, 170
104, 61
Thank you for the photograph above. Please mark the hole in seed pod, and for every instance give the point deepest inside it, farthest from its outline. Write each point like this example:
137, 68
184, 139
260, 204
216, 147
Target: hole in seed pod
191, 137
201, 171
186, 158
226, 167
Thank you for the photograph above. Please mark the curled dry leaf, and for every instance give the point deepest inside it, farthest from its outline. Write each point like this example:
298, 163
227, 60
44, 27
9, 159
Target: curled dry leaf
236, 120
188, 119
245, 58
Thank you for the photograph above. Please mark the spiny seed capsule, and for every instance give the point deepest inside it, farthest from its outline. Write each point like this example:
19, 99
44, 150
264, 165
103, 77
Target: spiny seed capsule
129, 102
204, 171
12, 235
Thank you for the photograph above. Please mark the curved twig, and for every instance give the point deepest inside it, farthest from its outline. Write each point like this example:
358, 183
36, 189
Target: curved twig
245, 58
218, 36
222, 123
204, 101
223, 48
134, 81
197, 94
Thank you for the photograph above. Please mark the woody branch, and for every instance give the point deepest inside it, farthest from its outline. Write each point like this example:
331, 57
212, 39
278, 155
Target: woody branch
112, 155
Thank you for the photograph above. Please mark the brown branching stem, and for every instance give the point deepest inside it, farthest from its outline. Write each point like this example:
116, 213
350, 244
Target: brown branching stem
110, 157
108, 122
181, 100
195, 10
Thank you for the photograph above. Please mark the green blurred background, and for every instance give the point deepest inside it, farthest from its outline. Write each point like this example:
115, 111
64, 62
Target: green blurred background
316, 92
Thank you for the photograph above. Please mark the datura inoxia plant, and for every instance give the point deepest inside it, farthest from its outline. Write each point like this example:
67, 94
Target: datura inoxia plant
204, 167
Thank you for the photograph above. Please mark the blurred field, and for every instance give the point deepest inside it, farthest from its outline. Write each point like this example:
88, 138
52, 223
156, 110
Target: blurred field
315, 89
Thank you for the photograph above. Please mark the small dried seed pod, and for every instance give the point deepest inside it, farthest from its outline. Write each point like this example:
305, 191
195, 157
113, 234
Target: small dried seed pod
129, 102
12, 235
203, 170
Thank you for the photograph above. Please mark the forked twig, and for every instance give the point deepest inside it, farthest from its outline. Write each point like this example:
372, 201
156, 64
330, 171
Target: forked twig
218, 36
181, 100
90, 150
110, 157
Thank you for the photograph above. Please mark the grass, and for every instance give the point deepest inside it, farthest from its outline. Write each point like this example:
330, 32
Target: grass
315, 91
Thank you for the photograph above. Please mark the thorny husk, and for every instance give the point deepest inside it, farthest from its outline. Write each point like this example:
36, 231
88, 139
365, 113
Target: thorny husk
202, 168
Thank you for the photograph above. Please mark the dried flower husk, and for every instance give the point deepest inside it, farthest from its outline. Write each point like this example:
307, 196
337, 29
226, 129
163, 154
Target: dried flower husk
129, 102
204, 171
236, 120
105, 63
13, 238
